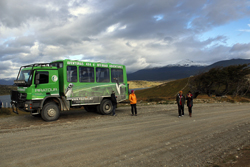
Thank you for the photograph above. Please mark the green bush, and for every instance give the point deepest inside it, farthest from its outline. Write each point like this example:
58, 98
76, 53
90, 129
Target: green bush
219, 81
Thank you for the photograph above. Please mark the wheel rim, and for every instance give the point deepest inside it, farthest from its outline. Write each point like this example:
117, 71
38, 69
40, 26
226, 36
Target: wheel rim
107, 107
51, 112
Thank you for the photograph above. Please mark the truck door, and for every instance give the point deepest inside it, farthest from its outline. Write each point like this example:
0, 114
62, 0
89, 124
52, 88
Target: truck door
46, 83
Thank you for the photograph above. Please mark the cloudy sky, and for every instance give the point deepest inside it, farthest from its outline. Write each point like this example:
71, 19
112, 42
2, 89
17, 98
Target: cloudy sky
136, 33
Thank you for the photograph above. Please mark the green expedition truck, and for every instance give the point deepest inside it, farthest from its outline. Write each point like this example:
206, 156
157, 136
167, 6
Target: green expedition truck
47, 89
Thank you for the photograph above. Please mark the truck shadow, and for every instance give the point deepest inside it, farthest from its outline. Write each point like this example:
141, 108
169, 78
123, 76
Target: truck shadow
77, 114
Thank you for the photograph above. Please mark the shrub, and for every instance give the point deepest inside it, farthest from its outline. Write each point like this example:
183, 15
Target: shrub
219, 81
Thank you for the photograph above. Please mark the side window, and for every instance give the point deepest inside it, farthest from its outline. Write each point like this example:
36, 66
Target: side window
71, 73
86, 74
102, 75
117, 74
44, 77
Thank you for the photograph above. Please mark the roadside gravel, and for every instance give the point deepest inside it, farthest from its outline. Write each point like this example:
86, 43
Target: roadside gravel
156, 137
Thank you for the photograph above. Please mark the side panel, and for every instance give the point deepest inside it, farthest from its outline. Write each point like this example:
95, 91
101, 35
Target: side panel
93, 93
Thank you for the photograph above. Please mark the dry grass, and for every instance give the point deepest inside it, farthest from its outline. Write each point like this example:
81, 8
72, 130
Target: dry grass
5, 111
164, 91
144, 84
8, 112
6, 89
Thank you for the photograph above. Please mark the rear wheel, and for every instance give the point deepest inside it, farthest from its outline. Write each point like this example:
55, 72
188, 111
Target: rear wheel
106, 107
50, 112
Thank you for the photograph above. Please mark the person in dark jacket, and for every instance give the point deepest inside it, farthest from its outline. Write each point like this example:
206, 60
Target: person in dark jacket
114, 102
180, 99
189, 99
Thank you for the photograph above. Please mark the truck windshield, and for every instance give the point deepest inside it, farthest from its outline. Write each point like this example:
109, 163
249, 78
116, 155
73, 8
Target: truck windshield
25, 75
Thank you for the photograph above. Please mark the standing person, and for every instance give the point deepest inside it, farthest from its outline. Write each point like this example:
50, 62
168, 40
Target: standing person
0, 104
180, 98
114, 102
133, 101
189, 99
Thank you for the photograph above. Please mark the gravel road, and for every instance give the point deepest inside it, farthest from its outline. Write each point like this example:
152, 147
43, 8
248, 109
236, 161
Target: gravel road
156, 137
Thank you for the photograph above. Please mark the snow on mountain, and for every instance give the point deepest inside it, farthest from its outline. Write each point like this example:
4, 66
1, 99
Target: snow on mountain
188, 63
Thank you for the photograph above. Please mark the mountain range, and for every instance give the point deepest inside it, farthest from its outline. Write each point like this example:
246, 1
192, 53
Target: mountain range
180, 70
183, 69
9, 81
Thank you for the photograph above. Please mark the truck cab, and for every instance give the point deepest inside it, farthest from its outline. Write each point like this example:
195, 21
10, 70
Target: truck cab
37, 85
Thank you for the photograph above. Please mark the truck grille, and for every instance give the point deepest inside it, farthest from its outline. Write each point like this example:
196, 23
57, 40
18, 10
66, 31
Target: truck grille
17, 96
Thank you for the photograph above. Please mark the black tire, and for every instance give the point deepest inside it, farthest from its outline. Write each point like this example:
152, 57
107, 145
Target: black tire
106, 107
50, 112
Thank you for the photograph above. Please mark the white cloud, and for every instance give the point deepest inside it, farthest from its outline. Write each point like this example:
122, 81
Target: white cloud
158, 17
246, 30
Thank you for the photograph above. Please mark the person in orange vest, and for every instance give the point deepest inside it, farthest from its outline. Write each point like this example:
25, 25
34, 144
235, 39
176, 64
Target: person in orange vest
133, 101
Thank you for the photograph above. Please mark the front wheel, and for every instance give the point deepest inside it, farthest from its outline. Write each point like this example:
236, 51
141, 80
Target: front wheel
50, 112
106, 107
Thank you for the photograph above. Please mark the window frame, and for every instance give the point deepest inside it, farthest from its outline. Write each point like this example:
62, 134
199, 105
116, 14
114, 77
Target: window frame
71, 75
101, 71
41, 74
112, 80
92, 70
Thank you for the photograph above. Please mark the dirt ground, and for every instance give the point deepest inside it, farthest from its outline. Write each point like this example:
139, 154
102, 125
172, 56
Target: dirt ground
218, 134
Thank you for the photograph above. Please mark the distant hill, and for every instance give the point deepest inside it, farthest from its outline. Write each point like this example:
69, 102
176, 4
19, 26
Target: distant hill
7, 81
163, 91
179, 71
165, 73
226, 63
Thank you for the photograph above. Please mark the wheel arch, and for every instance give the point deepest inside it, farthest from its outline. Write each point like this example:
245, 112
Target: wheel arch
103, 98
54, 99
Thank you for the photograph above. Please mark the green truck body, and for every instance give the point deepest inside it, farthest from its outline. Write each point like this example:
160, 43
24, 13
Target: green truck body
49, 88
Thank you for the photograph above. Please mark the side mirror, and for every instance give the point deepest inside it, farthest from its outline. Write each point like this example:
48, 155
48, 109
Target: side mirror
37, 79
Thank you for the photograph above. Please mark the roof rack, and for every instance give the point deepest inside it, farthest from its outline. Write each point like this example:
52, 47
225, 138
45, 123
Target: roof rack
37, 64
